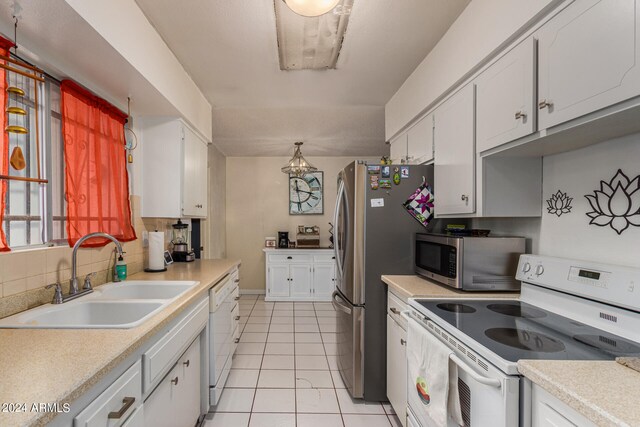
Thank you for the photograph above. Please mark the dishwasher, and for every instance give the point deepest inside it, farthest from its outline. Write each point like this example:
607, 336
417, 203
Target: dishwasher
224, 332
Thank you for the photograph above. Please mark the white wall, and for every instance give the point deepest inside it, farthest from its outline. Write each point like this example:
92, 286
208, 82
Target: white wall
579, 173
123, 25
483, 27
258, 207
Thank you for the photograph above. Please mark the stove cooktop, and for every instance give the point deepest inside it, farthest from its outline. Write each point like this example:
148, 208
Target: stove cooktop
515, 330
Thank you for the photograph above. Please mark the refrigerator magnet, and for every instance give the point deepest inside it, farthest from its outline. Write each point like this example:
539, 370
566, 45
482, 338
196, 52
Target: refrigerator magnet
386, 171
404, 172
373, 169
396, 178
374, 182
385, 183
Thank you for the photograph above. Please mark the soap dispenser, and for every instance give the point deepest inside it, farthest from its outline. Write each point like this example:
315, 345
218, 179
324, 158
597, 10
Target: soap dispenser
121, 269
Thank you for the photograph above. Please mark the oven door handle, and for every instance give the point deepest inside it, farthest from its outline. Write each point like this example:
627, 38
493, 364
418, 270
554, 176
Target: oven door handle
479, 378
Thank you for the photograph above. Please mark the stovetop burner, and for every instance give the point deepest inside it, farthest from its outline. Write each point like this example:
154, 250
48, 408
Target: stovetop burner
516, 310
456, 308
525, 340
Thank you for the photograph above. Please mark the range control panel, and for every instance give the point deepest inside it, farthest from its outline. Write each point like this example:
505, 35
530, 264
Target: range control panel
611, 284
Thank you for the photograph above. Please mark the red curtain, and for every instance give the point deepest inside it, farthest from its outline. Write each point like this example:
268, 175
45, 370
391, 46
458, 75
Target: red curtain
5, 45
97, 184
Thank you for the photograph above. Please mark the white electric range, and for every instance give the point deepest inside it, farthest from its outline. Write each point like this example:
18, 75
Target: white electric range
567, 310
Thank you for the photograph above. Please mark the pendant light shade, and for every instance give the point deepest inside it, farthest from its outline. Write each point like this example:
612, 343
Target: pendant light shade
311, 8
298, 166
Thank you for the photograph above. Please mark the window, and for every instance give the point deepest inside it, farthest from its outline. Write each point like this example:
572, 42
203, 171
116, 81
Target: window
35, 213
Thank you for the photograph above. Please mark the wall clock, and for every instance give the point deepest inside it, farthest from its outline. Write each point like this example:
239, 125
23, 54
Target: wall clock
305, 194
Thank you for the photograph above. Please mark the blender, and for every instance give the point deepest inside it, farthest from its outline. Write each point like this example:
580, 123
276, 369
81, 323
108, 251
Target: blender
182, 251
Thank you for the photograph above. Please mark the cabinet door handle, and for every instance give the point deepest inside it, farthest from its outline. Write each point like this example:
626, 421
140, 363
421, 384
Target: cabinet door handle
187, 363
402, 342
521, 115
394, 310
126, 404
237, 340
544, 103
464, 198
237, 317
236, 281
289, 257
236, 299
174, 381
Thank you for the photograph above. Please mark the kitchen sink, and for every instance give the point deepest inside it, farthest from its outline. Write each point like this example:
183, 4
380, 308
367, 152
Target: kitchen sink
85, 314
121, 305
142, 290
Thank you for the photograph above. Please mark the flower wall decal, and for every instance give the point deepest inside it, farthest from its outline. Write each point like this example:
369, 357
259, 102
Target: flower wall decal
616, 204
559, 203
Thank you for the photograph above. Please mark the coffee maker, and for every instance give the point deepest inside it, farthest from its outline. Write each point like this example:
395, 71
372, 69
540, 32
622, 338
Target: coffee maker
182, 251
283, 239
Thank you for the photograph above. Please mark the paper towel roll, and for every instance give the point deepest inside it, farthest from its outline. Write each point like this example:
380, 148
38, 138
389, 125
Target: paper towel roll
156, 250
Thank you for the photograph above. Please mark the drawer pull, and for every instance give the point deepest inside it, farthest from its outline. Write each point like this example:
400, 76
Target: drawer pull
126, 404
236, 281
237, 317
402, 342
236, 299
394, 310
174, 381
186, 363
520, 115
544, 104
237, 340
289, 257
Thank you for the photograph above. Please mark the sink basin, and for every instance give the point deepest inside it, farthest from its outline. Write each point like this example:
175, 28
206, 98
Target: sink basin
85, 314
142, 290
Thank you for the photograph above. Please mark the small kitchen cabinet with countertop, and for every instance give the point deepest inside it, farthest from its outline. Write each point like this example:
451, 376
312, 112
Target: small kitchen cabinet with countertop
153, 374
299, 274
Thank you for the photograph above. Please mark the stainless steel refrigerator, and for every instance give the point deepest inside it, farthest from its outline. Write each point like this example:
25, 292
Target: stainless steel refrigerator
374, 235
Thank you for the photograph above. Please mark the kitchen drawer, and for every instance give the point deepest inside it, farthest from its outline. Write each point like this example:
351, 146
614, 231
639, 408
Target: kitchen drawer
136, 419
124, 393
290, 258
324, 258
394, 307
219, 293
159, 358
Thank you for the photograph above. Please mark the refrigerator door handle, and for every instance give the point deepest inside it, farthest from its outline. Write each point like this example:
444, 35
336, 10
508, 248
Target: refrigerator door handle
337, 305
336, 230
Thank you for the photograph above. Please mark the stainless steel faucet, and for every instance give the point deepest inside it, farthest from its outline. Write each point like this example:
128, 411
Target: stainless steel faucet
73, 282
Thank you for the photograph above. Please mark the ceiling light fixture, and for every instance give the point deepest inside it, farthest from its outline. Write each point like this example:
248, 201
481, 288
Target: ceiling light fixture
311, 8
298, 165
310, 43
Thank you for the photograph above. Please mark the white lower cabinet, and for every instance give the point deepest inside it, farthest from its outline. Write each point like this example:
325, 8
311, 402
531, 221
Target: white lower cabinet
547, 411
176, 400
397, 357
299, 275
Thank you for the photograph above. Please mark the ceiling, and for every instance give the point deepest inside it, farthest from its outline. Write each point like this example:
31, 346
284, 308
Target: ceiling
230, 50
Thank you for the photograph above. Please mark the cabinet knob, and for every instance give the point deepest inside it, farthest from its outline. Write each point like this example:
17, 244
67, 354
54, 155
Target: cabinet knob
289, 257
187, 363
236, 299
464, 198
237, 317
402, 342
237, 340
544, 103
174, 381
521, 115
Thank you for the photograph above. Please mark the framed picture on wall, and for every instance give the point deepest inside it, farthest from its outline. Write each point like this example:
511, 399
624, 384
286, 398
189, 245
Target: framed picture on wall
306, 194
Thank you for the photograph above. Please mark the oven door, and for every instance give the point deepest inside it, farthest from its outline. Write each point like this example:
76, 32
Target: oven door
436, 258
488, 397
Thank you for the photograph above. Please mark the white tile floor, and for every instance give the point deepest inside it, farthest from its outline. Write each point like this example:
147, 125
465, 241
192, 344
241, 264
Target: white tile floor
285, 373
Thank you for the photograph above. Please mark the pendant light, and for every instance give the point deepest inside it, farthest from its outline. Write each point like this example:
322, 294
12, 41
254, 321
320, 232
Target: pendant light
298, 166
311, 8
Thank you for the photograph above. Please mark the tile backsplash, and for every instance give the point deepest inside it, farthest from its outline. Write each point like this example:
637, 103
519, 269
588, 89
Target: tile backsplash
23, 274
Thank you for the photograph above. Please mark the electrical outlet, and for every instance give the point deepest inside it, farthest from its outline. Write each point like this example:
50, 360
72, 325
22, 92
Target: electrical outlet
145, 239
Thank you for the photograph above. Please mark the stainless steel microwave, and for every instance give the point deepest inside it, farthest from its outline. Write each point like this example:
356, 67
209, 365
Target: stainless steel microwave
469, 263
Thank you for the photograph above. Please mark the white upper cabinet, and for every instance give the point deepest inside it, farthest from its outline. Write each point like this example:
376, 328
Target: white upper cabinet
505, 98
588, 58
454, 179
420, 142
174, 173
398, 149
